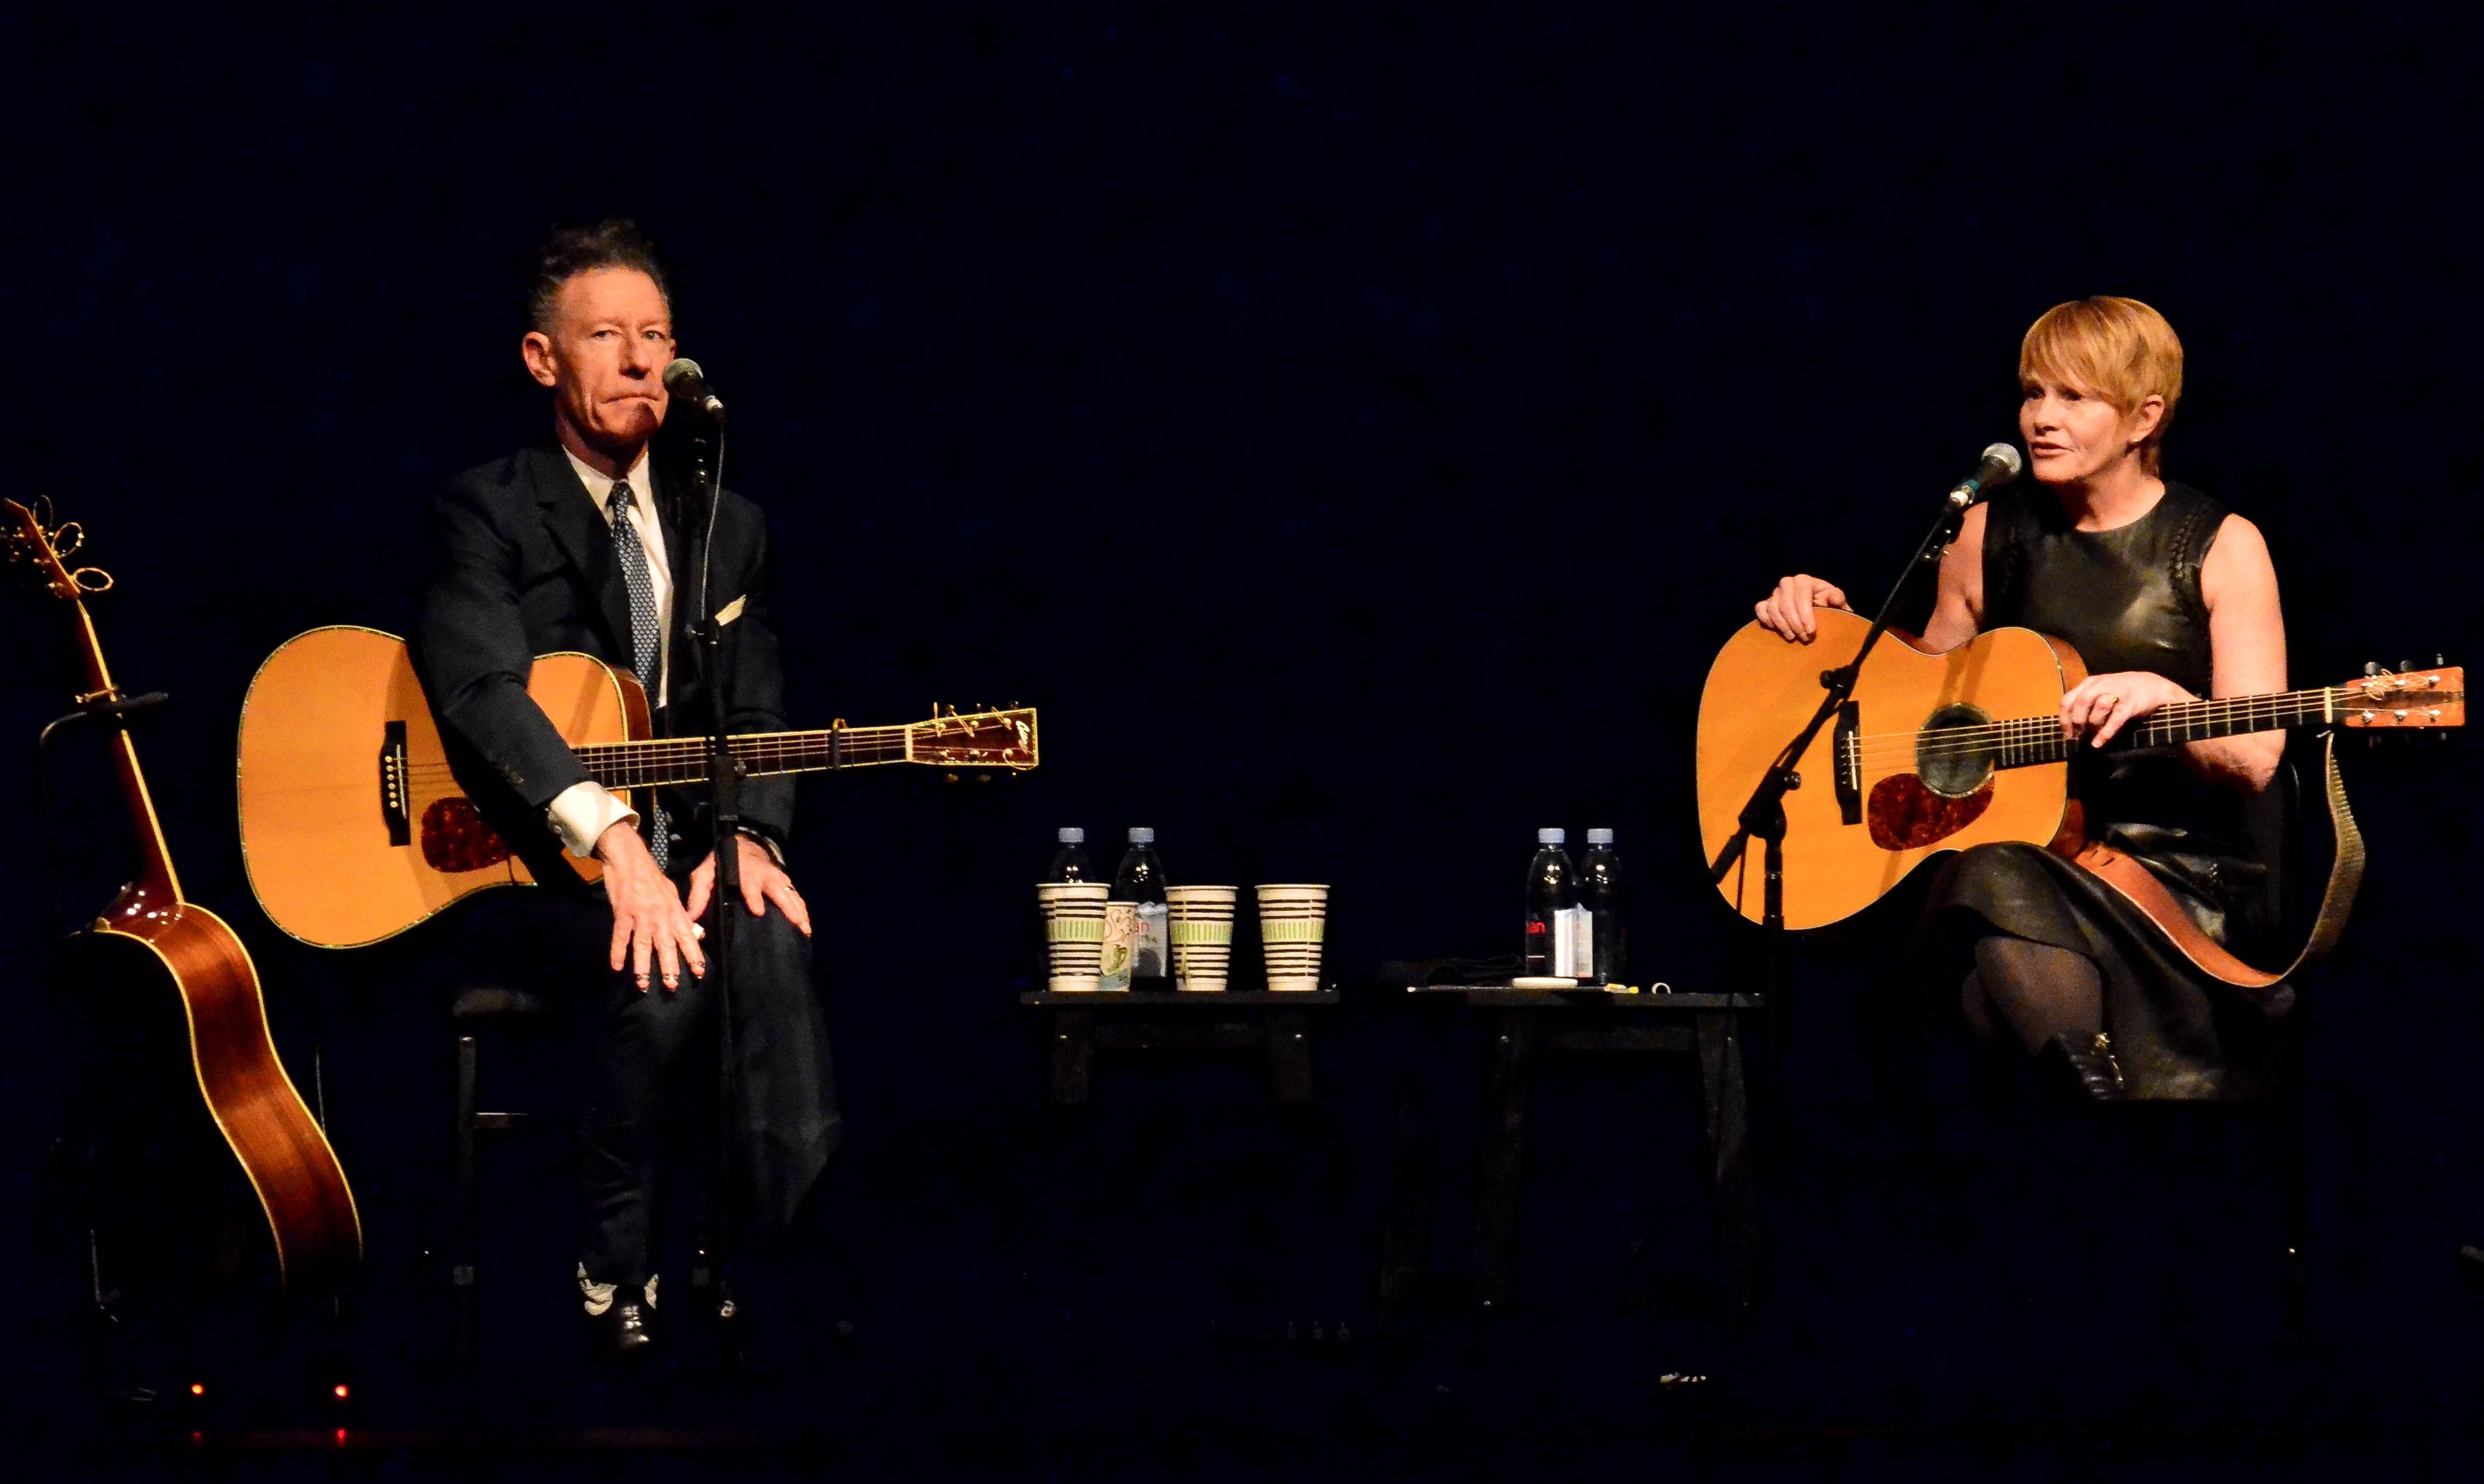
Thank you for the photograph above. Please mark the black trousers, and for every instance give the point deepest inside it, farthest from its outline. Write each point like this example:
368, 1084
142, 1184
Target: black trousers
648, 1066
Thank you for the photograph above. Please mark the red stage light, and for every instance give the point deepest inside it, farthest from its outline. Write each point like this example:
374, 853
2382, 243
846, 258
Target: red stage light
198, 1389
341, 1390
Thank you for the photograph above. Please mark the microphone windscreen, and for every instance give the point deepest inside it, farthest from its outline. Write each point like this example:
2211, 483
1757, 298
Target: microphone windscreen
2004, 455
682, 370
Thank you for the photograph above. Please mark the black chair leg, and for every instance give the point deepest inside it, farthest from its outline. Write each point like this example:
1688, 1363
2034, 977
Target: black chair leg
462, 1230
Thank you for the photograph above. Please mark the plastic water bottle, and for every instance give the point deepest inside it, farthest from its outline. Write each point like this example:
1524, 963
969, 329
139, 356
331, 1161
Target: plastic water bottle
1600, 892
1551, 894
1070, 862
1141, 879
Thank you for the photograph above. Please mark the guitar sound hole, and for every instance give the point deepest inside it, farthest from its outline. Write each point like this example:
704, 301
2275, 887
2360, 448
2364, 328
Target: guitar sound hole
1948, 766
455, 838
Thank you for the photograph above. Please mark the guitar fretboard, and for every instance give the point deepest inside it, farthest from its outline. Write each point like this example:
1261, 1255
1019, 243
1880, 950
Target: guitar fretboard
666, 762
2031, 740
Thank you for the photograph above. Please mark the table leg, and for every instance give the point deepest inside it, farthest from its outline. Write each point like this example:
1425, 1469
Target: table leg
1729, 1135
1074, 1054
1499, 1160
1289, 1057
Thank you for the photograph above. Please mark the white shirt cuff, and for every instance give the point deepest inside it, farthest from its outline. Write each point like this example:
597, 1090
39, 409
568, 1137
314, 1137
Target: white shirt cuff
581, 813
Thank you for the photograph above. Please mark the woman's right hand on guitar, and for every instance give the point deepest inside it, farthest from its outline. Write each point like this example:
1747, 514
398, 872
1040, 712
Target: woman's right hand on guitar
1786, 612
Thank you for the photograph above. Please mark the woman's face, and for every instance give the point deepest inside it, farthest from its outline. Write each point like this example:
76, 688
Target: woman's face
2073, 434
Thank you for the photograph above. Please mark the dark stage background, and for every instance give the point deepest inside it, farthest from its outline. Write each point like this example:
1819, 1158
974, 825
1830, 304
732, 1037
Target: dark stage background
1356, 428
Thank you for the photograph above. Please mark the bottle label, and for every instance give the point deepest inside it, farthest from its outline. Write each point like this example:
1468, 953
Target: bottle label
1120, 937
1574, 942
1150, 955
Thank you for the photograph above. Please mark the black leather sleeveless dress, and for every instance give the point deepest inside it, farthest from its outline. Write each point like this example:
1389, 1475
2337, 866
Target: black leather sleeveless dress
2129, 599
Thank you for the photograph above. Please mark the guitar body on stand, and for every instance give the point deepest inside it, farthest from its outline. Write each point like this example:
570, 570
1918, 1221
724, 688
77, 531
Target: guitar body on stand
1938, 752
354, 829
154, 951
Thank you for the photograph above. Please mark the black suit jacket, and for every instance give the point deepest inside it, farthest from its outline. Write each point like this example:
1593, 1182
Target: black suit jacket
522, 566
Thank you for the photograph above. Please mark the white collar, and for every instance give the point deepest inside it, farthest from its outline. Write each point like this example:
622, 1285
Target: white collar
599, 486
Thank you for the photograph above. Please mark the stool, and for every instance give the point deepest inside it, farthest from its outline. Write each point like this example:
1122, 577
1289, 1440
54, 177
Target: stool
1523, 1025
472, 1009
1272, 1023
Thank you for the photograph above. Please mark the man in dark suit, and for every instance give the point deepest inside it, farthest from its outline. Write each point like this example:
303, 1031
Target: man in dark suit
575, 546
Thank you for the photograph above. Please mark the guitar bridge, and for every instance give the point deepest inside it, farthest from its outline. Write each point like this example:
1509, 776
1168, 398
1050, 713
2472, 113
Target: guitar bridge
397, 793
1845, 743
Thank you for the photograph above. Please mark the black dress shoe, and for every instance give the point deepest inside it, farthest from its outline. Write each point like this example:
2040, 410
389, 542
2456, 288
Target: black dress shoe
2087, 1072
626, 1328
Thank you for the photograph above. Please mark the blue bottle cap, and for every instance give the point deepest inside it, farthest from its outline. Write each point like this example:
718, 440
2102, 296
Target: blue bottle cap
1552, 837
1600, 837
1141, 834
1071, 834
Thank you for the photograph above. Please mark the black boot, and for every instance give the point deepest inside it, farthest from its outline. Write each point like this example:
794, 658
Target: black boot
2090, 1072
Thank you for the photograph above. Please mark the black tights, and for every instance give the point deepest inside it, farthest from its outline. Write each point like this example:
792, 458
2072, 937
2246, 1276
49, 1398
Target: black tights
2039, 991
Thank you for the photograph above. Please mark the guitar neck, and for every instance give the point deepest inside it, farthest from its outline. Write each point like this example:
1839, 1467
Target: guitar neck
2031, 740
156, 873
672, 761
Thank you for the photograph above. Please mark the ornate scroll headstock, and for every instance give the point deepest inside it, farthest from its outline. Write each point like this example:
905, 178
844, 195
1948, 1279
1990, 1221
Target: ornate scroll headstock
35, 538
2405, 699
984, 739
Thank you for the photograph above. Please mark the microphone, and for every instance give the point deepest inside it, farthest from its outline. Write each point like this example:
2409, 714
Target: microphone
2000, 465
687, 383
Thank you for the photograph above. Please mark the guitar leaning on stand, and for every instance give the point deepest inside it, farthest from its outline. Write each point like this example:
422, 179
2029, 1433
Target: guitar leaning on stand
1929, 753
152, 939
354, 829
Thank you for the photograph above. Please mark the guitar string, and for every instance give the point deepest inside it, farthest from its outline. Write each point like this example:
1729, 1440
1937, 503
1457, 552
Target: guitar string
2227, 717
768, 752
2183, 714
2042, 735
2192, 711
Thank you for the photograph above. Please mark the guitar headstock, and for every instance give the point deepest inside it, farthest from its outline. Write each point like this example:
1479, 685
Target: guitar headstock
983, 739
2406, 698
35, 538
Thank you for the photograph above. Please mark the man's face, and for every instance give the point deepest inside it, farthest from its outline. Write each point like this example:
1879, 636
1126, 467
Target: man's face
604, 358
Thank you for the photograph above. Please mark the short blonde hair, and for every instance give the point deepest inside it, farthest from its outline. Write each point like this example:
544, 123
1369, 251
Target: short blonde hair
2120, 349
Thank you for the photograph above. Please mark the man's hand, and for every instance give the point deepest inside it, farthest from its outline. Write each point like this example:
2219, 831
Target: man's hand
1787, 611
648, 927
763, 882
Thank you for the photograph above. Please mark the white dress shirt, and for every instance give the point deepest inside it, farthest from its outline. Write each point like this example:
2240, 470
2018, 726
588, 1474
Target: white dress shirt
583, 812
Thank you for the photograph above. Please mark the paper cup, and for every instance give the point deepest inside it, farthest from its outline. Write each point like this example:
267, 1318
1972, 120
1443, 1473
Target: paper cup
1203, 935
1074, 934
1293, 920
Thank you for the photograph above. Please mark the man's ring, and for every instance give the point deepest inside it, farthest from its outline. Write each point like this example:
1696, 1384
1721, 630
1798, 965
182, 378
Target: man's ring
698, 930
2110, 701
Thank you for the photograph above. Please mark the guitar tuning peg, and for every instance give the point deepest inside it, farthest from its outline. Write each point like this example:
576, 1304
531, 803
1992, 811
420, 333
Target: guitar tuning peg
2439, 660
2371, 667
2404, 666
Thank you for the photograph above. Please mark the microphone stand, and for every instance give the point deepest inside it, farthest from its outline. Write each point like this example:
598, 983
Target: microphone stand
724, 814
1763, 816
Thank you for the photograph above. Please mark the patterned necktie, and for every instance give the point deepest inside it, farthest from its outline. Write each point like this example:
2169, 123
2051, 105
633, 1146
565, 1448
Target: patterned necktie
646, 641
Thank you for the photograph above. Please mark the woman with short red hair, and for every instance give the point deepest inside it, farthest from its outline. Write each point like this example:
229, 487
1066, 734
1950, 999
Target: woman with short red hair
2167, 597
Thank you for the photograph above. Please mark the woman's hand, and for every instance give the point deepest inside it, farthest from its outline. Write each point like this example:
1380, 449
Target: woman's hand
2102, 704
1786, 612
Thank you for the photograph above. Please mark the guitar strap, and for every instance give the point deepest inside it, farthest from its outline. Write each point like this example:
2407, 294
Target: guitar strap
2137, 882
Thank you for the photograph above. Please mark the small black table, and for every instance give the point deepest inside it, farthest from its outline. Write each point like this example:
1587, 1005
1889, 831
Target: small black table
1525, 1024
1276, 1024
